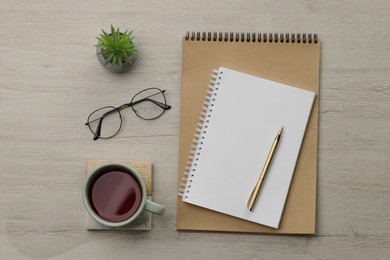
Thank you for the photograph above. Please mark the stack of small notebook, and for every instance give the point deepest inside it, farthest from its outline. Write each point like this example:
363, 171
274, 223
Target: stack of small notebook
258, 84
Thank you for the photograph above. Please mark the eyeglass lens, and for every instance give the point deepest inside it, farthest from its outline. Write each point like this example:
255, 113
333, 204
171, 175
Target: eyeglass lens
152, 103
109, 118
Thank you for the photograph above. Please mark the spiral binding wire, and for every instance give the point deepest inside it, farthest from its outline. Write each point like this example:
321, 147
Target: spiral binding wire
200, 134
252, 37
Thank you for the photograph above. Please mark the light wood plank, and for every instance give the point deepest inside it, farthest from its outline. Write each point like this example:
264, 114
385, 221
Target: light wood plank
51, 80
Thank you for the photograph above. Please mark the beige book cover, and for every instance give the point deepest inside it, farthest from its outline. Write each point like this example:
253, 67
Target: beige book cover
292, 60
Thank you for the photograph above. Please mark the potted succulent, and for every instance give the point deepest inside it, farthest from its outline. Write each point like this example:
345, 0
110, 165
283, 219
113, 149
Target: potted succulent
116, 51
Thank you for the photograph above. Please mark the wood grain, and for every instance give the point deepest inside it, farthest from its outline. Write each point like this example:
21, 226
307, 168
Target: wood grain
50, 80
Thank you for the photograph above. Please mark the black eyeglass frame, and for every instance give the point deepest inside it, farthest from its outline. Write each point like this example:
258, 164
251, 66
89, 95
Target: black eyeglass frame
131, 104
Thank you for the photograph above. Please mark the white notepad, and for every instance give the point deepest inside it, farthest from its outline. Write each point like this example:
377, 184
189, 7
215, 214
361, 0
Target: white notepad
240, 119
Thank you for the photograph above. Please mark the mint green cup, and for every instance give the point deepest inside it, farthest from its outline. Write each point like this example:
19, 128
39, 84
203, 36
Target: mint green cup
145, 204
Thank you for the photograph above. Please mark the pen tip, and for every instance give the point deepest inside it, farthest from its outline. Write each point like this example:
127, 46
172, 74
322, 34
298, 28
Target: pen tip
280, 130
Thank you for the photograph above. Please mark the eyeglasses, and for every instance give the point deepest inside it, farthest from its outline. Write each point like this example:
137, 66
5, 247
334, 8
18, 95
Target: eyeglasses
147, 104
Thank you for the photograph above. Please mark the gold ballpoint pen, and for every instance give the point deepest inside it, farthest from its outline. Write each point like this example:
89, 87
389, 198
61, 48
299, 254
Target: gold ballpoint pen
256, 190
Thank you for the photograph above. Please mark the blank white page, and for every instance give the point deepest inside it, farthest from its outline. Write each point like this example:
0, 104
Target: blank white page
246, 115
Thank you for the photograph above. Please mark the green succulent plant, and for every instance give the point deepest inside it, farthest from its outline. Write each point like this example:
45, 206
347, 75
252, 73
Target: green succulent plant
116, 47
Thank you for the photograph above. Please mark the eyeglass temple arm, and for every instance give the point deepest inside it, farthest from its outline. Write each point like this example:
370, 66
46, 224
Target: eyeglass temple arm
162, 105
96, 135
105, 114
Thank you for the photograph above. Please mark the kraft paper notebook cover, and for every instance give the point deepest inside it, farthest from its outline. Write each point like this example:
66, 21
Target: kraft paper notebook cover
291, 60
240, 118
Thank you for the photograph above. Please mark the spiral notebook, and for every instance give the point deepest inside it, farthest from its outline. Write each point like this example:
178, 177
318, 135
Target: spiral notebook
288, 59
240, 118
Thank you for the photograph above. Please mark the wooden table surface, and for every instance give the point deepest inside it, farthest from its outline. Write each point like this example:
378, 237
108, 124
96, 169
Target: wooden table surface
50, 80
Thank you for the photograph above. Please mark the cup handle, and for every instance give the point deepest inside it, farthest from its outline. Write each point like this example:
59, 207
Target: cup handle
154, 207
